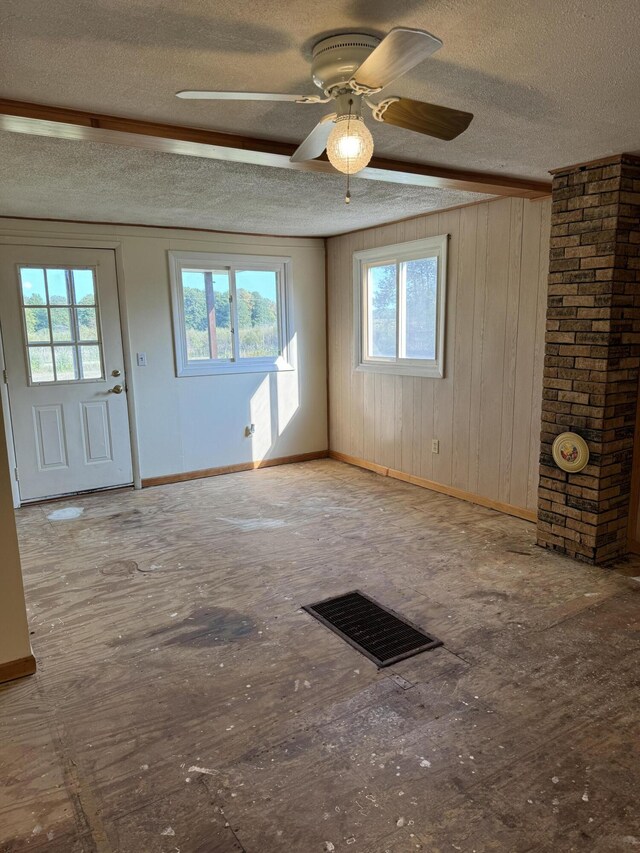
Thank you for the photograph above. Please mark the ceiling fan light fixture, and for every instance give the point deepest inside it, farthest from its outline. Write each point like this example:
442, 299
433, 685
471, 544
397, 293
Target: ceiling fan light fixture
350, 144
349, 68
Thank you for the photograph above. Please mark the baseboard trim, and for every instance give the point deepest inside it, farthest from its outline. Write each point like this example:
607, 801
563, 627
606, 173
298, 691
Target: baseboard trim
17, 668
232, 469
450, 491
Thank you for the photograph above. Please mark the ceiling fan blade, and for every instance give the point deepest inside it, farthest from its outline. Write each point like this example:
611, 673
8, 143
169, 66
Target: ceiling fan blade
431, 119
397, 53
238, 96
316, 141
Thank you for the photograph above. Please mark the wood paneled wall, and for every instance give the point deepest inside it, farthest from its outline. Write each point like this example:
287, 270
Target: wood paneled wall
486, 410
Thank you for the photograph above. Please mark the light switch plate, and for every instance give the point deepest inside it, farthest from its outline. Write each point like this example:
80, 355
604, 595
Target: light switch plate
142, 359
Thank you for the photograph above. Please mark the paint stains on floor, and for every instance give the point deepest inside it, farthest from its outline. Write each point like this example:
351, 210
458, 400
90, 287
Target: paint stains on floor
66, 513
119, 569
184, 701
210, 626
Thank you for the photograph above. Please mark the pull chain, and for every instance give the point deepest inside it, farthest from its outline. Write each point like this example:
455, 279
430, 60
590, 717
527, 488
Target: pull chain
347, 198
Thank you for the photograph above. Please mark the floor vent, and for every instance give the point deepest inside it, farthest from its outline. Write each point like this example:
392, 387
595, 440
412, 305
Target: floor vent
379, 633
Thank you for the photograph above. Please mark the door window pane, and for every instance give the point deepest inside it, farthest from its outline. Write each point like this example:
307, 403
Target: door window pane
87, 324
83, 287
382, 311
207, 314
90, 362
257, 295
65, 361
57, 287
61, 324
33, 287
41, 364
36, 321
59, 306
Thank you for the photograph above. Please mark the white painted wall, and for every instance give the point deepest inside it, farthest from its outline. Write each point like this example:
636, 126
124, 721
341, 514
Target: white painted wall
14, 631
190, 423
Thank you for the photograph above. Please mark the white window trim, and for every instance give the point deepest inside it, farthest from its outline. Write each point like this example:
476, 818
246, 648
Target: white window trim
207, 367
428, 247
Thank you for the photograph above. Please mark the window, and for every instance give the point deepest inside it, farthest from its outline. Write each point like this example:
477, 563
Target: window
400, 307
61, 324
229, 313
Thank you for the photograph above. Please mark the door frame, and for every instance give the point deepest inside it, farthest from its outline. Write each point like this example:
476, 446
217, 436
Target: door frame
77, 243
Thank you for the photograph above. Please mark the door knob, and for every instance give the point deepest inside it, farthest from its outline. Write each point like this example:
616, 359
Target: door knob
117, 389
115, 372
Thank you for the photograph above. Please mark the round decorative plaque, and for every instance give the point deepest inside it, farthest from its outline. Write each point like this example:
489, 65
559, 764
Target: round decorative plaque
570, 452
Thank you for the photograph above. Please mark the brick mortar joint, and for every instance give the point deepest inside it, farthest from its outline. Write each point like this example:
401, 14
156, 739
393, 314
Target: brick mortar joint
623, 158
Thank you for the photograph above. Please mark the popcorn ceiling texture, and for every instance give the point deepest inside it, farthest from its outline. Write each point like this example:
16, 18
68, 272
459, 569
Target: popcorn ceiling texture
62, 179
551, 84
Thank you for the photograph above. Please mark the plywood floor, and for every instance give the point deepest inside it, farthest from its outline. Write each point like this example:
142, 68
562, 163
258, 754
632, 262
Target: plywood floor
184, 702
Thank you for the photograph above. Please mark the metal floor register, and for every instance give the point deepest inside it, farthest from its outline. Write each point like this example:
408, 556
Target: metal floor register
382, 635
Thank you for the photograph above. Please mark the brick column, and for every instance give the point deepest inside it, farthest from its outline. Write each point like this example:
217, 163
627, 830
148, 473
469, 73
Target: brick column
592, 356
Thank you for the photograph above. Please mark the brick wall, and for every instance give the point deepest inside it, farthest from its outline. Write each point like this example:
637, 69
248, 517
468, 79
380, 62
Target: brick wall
592, 356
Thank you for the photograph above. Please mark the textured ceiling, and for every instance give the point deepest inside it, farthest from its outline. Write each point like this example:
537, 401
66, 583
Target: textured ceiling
551, 82
99, 182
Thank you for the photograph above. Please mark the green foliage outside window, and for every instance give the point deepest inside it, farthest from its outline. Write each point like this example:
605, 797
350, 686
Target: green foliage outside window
257, 324
37, 322
419, 311
39, 330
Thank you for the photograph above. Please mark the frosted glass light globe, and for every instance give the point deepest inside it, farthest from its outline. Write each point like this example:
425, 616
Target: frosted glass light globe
350, 144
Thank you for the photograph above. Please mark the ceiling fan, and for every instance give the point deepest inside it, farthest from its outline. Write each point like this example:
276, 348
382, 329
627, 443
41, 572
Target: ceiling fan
350, 68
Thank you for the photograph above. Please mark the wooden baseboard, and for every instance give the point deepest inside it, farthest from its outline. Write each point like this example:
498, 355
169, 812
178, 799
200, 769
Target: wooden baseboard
17, 668
633, 546
232, 469
450, 491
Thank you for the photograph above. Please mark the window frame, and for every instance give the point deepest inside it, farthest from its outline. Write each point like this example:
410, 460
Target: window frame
397, 254
73, 306
179, 260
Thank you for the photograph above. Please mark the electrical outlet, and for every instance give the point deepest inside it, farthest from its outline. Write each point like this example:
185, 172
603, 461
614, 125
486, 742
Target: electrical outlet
142, 359
435, 445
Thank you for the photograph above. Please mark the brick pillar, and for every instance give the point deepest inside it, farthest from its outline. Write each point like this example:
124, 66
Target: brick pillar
592, 358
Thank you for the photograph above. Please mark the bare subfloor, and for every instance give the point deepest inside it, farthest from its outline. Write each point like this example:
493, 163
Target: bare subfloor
184, 702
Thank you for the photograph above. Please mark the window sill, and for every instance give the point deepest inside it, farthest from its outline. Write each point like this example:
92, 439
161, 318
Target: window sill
232, 368
431, 370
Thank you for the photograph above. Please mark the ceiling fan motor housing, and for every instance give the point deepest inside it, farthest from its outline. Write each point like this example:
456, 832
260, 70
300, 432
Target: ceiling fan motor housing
337, 58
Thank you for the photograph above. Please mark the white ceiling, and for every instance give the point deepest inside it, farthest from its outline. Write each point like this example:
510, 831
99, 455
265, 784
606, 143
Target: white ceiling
551, 82
107, 183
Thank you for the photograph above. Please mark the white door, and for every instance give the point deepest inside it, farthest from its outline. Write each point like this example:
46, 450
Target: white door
65, 370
